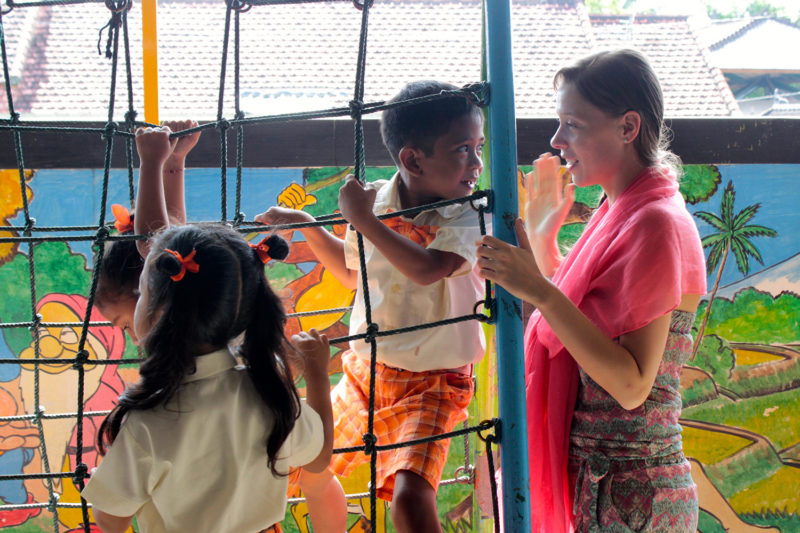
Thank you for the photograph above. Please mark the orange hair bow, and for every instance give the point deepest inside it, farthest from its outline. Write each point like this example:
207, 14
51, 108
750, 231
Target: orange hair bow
422, 235
187, 263
262, 250
123, 219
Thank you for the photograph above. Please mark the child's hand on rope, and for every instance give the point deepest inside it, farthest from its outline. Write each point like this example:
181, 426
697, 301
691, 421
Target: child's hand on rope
275, 216
356, 201
185, 143
295, 196
154, 145
315, 351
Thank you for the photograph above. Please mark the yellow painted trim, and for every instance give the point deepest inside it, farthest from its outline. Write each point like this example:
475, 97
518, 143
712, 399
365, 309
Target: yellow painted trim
150, 60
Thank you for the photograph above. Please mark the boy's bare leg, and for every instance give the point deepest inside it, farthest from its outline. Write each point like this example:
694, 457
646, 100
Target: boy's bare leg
414, 504
325, 499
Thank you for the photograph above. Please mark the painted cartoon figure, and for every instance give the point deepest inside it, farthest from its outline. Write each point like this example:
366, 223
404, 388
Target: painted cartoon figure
57, 392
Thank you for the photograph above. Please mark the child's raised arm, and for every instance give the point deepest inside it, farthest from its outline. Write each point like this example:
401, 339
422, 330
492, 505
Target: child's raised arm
172, 173
328, 248
154, 147
316, 352
421, 265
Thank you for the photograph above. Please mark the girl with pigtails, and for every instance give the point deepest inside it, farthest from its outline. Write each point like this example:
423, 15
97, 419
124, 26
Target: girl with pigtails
202, 443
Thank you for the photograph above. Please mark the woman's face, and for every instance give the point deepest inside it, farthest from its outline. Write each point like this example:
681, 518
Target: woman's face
591, 141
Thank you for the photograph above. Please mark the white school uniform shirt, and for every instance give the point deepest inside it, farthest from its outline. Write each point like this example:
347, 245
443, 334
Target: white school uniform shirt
397, 302
200, 464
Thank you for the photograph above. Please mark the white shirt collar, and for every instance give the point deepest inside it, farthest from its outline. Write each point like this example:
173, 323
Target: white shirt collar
211, 364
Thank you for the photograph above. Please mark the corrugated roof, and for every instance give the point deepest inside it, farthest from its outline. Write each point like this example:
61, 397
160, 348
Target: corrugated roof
763, 44
306, 54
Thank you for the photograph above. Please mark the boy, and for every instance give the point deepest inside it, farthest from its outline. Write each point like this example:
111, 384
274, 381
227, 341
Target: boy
420, 270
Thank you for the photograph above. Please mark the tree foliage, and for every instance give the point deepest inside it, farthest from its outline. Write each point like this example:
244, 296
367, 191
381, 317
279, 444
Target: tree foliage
699, 182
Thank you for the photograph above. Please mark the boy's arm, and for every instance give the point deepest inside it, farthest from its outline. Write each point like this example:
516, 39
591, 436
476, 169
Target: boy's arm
154, 147
173, 171
328, 248
421, 265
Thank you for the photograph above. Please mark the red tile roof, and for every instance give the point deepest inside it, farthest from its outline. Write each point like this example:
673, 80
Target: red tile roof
307, 53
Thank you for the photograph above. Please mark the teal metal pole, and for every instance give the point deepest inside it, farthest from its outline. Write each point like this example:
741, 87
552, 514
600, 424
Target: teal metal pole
505, 206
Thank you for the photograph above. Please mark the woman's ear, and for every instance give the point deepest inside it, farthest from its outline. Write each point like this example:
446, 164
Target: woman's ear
410, 160
631, 124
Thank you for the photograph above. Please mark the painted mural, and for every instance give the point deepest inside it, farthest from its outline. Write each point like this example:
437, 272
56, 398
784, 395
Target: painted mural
741, 390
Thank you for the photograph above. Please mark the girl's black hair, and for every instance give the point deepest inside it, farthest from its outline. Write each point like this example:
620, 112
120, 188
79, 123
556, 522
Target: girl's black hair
229, 295
119, 272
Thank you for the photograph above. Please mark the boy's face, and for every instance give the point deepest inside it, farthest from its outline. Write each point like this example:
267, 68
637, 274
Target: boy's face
452, 170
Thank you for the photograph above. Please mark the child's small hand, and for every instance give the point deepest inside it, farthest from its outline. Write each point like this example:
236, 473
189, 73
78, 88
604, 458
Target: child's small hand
275, 216
356, 200
154, 144
315, 350
184, 144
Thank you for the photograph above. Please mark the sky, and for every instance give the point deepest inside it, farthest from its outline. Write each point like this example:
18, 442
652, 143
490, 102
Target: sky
791, 8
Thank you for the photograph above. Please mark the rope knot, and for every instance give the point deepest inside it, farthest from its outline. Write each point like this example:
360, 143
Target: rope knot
117, 7
29, 224
130, 116
80, 358
238, 219
81, 473
102, 234
486, 425
53, 502
36, 322
223, 124
37, 416
239, 5
14, 118
360, 5
110, 129
372, 332
487, 305
370, 440
239, 115
478, 93
356, 108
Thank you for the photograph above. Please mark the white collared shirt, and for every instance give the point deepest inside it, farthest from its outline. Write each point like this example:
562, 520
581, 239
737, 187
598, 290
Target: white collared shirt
200, 464
397, 302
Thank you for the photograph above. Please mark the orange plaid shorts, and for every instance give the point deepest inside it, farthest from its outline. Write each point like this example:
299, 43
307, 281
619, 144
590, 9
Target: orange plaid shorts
408, 406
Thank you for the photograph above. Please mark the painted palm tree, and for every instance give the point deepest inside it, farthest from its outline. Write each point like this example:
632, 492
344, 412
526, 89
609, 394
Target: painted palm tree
733, 235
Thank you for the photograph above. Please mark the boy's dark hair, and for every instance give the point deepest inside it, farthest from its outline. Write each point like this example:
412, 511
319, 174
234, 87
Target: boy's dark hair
227, 296
420, 125
119, 273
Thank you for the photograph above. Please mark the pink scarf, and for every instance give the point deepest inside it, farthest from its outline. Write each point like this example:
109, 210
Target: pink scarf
631, 265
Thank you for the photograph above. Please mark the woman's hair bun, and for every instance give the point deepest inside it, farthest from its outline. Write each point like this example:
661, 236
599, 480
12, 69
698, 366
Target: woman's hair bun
168, 264
278, 247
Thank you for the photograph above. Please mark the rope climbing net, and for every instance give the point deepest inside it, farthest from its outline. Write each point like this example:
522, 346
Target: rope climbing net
32, 235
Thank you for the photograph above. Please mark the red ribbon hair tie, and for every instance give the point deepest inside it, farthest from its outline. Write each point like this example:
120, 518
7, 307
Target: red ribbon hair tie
123, 219
187, 263
262, 250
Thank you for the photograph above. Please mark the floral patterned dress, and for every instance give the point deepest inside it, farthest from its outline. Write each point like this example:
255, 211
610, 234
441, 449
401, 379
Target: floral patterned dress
627, 469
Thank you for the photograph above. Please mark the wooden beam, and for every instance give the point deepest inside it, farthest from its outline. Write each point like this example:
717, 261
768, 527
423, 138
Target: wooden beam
315, 143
